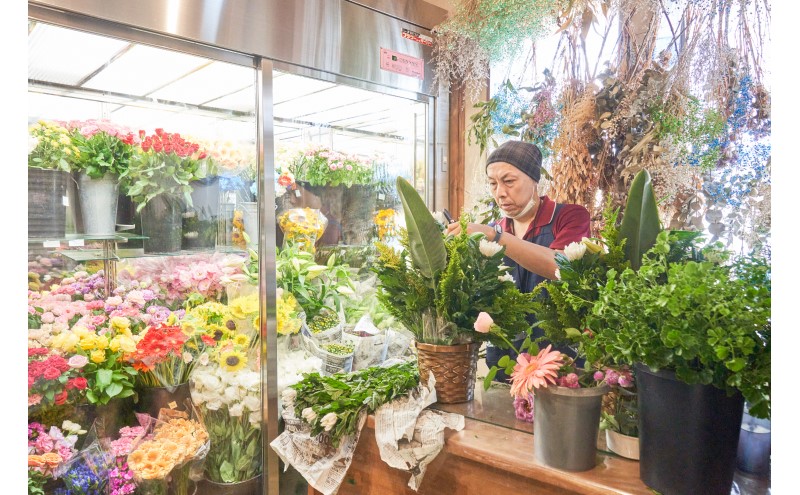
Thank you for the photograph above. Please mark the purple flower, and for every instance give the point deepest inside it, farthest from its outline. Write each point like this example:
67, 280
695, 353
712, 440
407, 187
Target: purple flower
523, 408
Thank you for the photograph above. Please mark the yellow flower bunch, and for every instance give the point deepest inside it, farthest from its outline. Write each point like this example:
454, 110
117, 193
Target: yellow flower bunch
51, 146
175, 442
288, 309
210, 318
385, 222
303, 226
237, 230
82, 340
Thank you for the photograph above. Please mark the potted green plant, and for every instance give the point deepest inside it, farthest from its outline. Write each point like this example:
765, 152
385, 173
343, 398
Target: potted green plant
437, 286
105, 151
159, 180
50, 155
696, 325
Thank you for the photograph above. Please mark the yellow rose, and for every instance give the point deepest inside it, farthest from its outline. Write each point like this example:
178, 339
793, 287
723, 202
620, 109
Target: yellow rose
126, 343
120, 322
114, 344
98, 356
101, 342
88, 342
80, 331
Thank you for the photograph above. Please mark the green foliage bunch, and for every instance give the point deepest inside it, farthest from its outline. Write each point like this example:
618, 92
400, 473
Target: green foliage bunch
709, 321
333, 404
322, 166
104, 147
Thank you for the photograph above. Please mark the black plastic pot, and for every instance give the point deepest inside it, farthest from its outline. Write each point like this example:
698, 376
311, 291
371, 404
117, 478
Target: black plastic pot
161, 224
688, 434
152, 399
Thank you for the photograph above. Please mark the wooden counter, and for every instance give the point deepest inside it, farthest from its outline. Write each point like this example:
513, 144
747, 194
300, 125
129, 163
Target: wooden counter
487, 458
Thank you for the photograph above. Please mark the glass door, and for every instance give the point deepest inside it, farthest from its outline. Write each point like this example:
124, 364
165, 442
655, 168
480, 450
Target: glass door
143, 308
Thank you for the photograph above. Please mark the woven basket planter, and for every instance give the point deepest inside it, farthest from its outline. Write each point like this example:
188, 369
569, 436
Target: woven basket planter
453, 367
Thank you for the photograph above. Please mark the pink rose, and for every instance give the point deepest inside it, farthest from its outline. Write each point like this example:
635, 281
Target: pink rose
483, 323
77, 361
48, 317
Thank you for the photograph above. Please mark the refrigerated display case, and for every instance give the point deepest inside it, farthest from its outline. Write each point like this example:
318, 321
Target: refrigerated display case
281, 120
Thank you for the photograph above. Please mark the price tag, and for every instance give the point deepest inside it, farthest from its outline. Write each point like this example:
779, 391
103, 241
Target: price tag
381, 196
65, 200
51, 244
297, 192
76, 242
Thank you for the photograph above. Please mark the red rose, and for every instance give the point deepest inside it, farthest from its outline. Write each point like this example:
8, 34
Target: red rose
37, 351
80, 383
142, 134
60, 398
51, 373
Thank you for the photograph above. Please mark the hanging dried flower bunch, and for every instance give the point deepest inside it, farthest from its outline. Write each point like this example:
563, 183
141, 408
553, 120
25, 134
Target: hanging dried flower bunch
483, 31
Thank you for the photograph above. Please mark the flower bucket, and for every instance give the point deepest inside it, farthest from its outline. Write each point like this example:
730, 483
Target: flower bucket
47, 204
246, 487
623, 445
250, 219
566, 425
201, 220
161, 224
358, 208
755, 446
453, 366
152, 399
688, 434
98, 199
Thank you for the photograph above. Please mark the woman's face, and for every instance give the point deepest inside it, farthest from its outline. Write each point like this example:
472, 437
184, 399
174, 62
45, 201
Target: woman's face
511, 188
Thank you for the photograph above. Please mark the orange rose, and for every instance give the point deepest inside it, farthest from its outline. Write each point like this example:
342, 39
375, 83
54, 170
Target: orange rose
52, 459
35, 461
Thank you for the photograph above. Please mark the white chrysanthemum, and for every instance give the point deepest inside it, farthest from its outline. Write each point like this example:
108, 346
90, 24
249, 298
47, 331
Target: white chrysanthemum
489, 248
575, 251
506, 277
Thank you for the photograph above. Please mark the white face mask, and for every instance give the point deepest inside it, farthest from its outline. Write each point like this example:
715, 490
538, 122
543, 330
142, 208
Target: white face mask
525, 210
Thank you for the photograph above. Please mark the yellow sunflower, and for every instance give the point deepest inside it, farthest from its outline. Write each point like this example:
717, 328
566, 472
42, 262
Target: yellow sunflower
241, 339
232, 360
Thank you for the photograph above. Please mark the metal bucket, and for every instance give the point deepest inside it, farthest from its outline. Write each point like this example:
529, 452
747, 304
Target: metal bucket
565, 426
99, 203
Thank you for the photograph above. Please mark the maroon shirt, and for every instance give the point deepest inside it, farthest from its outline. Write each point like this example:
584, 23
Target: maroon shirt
573, 223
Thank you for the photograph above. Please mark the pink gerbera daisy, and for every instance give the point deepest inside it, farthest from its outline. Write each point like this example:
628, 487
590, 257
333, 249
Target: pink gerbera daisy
532, 372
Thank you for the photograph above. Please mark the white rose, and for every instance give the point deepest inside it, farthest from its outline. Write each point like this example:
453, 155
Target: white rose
489, 248
329, 420
249, 380
236, 410
575, 251
288, 396
309, 415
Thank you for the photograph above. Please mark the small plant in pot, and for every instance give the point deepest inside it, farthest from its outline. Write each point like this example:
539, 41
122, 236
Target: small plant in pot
697, 325
437, 286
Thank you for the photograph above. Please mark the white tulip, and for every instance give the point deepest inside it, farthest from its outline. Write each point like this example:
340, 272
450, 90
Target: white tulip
249, 380
255, 419
252, 403
213, 405
489, 248
329, 420
575, 251
309, 415
231, 394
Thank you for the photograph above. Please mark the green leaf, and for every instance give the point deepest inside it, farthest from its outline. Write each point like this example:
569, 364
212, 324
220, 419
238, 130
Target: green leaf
113, 389
487, 382
426, 245
104, 378
640, 222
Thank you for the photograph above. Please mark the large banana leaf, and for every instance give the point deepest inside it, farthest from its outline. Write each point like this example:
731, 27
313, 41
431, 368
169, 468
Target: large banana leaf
640, 222
425, 242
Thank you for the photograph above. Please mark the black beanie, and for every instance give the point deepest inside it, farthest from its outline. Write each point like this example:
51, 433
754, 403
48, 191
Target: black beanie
524, 156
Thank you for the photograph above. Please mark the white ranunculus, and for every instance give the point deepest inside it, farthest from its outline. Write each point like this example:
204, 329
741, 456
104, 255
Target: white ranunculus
288, 396
309, 415
236, 410
575, 251
329, 420
489, 248
506, 277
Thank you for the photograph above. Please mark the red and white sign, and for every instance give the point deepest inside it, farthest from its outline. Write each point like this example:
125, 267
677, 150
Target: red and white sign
402, 64
418, 37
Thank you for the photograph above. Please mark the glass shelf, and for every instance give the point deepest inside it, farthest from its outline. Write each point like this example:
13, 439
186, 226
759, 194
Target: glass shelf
77, 240
82, 255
